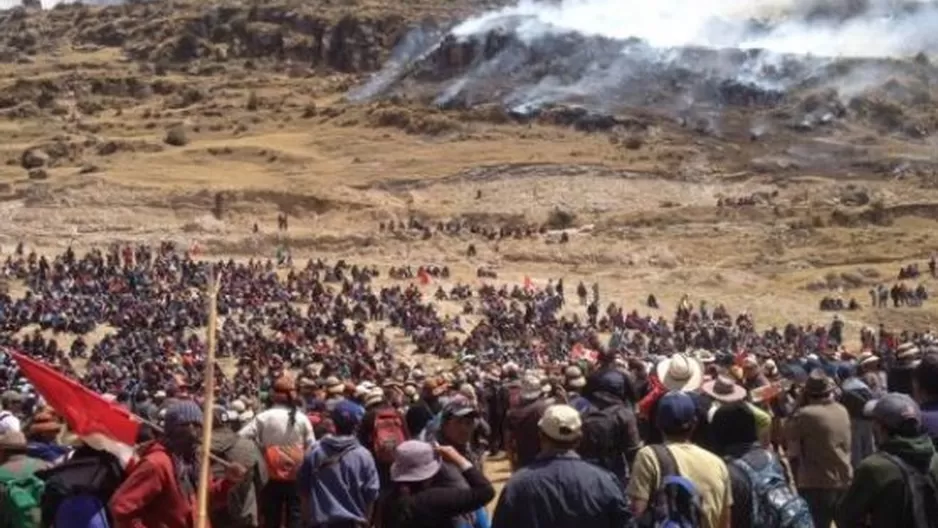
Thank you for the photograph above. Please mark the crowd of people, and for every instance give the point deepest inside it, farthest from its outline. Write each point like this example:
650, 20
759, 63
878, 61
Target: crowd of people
605, 416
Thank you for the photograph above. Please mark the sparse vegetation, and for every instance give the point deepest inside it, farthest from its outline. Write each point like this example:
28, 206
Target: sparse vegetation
176, 136
561, 219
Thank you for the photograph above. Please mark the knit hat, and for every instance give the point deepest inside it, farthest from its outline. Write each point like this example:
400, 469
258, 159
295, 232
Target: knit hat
185, 412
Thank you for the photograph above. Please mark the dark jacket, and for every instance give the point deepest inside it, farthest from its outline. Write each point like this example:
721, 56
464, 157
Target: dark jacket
435, 507
562, 491
877, 496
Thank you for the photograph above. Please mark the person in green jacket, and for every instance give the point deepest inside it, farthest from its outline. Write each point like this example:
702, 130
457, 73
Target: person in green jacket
879, 495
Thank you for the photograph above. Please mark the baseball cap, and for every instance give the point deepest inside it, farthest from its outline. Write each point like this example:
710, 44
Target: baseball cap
561, 423
895, 411
346, 415
677, 412
458, 407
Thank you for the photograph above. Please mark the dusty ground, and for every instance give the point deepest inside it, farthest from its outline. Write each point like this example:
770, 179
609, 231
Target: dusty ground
97, 89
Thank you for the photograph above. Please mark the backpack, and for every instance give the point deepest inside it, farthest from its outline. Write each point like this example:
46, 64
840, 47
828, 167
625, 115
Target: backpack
601, 439
97, 475
921, 497
20, 502
677, 502
388, 433
774, 503
283, 461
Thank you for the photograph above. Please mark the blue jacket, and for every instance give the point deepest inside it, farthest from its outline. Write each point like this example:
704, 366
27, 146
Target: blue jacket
341, 491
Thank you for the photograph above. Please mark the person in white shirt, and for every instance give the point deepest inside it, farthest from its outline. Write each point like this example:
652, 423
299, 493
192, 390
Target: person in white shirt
283, 434
12, 402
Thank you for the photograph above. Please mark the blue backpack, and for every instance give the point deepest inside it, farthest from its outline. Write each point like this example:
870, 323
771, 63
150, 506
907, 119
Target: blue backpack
677, 502
774, 503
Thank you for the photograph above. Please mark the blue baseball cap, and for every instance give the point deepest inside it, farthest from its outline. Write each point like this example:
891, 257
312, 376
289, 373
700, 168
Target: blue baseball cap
346, 415
676, 413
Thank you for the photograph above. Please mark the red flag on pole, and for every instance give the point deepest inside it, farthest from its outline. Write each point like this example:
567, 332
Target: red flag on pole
107, 425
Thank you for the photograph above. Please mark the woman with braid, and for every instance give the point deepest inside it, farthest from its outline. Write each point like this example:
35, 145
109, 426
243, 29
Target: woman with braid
283, 434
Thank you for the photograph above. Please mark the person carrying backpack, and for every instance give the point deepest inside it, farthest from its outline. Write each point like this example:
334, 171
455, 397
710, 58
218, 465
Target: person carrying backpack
20, 489
610, 436
240, 510
897, 485
382, 430
762, 495
678, 483
77, 491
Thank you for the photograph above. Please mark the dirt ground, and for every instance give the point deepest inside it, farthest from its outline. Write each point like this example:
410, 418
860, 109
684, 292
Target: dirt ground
90, 96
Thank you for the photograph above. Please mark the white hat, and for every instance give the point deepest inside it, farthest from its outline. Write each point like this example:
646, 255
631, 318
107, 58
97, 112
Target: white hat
246, 416
531, 388
561, 423
680, 372
238, 406
574, 377
363, 389
375, 396
160, 395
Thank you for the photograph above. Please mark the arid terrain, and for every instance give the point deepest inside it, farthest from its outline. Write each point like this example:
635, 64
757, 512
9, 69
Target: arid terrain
121, 124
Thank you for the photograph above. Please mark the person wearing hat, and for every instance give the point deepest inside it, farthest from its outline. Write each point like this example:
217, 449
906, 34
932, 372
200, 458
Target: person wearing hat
366, 431
240, 509
456, 426
819, 443
724, 390
521, 431
283, 435
11, 404
42, 437
15, 461
677, 417
335, 391
423, 410
611, 438
416, 501
338, 480
161, 488
879, 495
560, 490
925, 391
899, 377
575, 382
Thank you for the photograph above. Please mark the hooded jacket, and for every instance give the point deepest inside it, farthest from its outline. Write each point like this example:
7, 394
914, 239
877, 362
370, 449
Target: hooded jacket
151, 496
343, 490
878, 490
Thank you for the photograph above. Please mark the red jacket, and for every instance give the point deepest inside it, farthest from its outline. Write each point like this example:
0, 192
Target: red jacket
150, 496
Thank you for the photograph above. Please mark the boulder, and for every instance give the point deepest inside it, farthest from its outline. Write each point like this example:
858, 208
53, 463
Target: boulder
34, 158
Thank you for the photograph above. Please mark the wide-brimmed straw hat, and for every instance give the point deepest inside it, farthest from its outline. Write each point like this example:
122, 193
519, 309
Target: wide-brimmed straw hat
680, 372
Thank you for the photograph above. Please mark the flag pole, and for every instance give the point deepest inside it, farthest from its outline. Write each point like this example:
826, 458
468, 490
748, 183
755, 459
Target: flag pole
208, 402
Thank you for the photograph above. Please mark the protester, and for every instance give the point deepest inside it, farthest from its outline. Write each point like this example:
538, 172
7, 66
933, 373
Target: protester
676, 418
896, 486
521, 430
161, 489
338, 480
925, 391
240, 509
416, 501
560, 490
283, 434
819, 449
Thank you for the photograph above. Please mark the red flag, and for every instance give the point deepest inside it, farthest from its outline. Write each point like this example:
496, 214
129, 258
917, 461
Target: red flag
423, 277
85, 411
528, 284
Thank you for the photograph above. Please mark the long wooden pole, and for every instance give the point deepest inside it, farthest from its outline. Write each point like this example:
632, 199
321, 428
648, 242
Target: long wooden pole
208, 403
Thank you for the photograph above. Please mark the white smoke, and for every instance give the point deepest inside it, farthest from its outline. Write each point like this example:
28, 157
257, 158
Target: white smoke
852, 28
